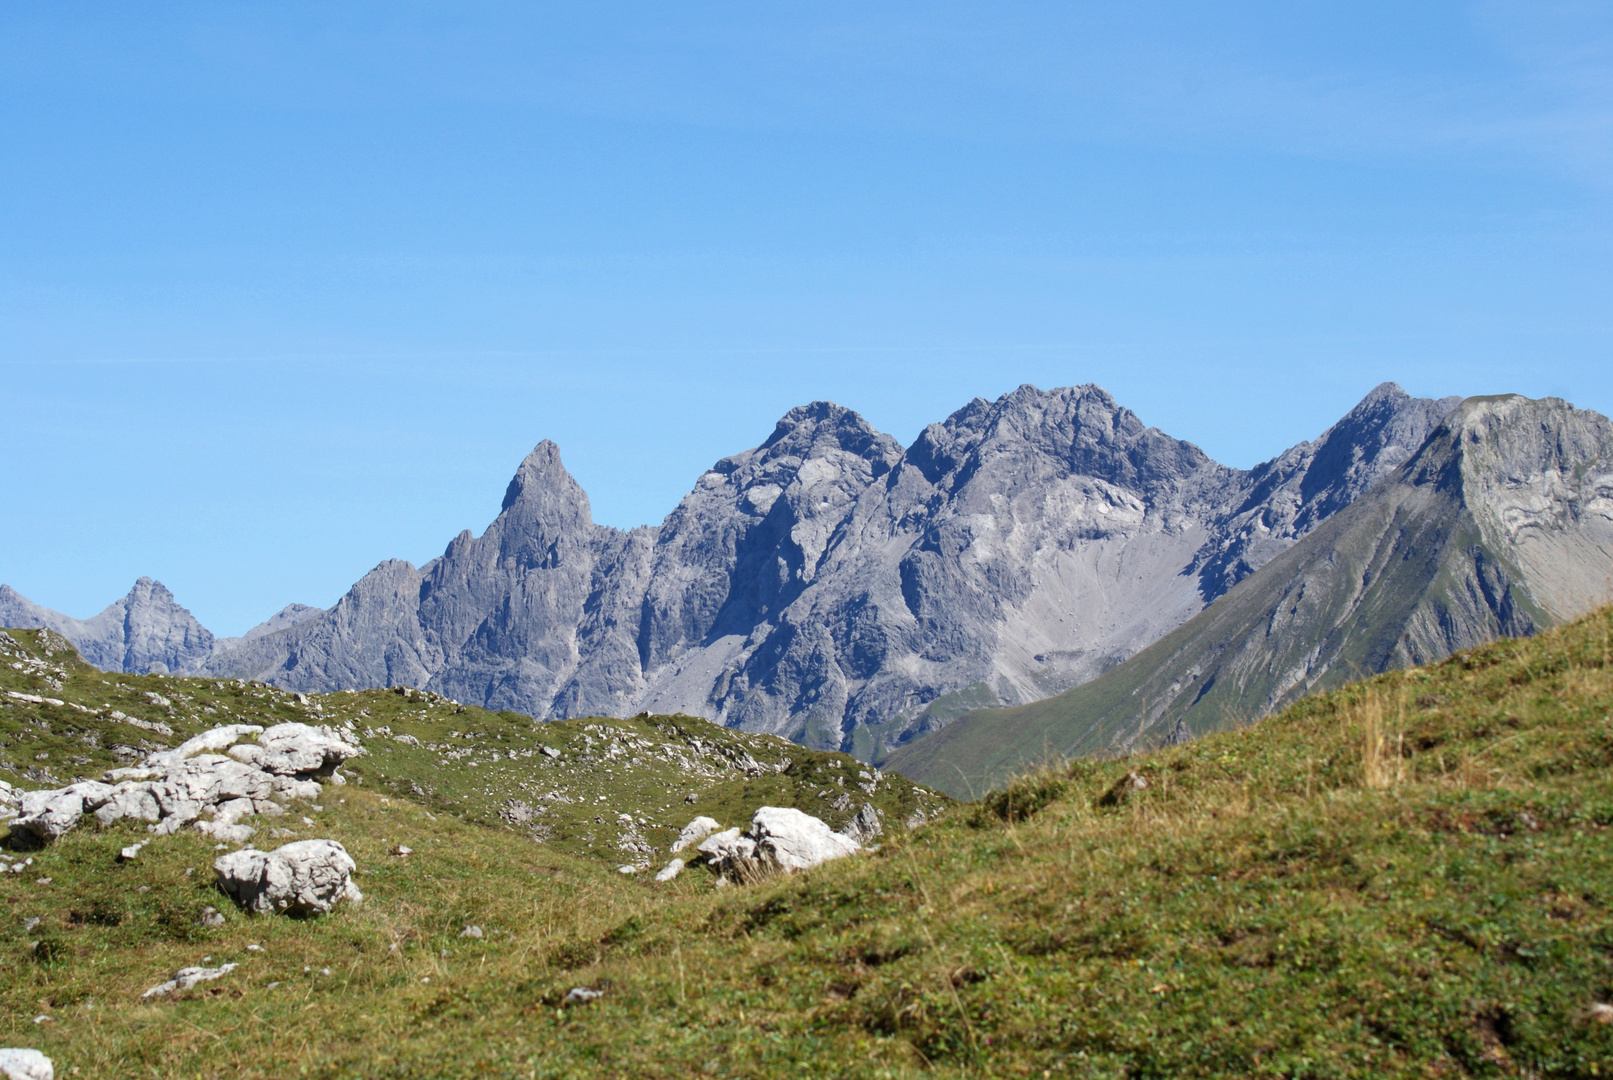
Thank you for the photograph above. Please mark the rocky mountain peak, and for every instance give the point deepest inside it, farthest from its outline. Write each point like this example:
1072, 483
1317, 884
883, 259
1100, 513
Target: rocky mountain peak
540, 474
146, 630
1370, 441
544, 511
822, 427
1080, 427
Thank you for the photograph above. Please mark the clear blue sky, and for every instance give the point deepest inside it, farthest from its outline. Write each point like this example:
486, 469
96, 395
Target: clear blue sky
287, 289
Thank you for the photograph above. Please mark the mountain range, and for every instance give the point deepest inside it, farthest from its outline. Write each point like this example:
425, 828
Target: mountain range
829, 585
1501, 524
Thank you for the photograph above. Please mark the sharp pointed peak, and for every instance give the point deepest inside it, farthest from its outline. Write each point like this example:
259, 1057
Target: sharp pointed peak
539, 470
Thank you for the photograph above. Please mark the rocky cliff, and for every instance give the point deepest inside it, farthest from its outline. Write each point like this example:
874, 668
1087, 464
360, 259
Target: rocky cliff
834, 588
1500, 524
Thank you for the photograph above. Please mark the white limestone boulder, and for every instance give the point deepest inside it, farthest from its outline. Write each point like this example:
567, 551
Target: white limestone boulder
130, 799
24, 1064
300, 750
48, 814
694, 832
727, 849
219, 738
307, 877
794, 840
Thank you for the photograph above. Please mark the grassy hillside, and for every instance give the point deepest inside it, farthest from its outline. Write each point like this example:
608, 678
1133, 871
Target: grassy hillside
1407, 877
488, 768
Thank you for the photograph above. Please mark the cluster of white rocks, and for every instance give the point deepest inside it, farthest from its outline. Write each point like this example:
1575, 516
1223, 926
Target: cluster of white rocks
256, 772
779, 839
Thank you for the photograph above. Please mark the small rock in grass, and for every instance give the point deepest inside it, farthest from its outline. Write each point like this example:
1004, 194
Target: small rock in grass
132, 852
29, 924
45, 881
582, 994
627, 868
185, 978
471, 932
211, 917
402, 849
670, 870
25, 1064
254, 948
1602, 1013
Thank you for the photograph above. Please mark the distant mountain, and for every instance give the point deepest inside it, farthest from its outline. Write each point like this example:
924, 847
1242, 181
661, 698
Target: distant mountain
146, 632
1501, 523
834, 588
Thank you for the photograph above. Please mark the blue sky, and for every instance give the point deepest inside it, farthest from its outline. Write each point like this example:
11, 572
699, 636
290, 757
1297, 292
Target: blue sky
289, 289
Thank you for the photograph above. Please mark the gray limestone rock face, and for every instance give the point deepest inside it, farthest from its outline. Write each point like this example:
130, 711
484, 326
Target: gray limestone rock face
833, 588
284, 619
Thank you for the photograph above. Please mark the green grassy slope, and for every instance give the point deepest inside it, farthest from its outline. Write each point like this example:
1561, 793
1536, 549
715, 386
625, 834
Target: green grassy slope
1405, 877
484, 767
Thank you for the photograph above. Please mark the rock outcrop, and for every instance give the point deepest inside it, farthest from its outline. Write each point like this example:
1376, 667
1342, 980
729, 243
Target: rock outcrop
171, 789
694, 832
779, 839
307, 877
830, 586
793, 840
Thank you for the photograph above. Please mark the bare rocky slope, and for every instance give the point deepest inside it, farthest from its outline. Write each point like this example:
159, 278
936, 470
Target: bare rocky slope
830, 586
1500, 525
